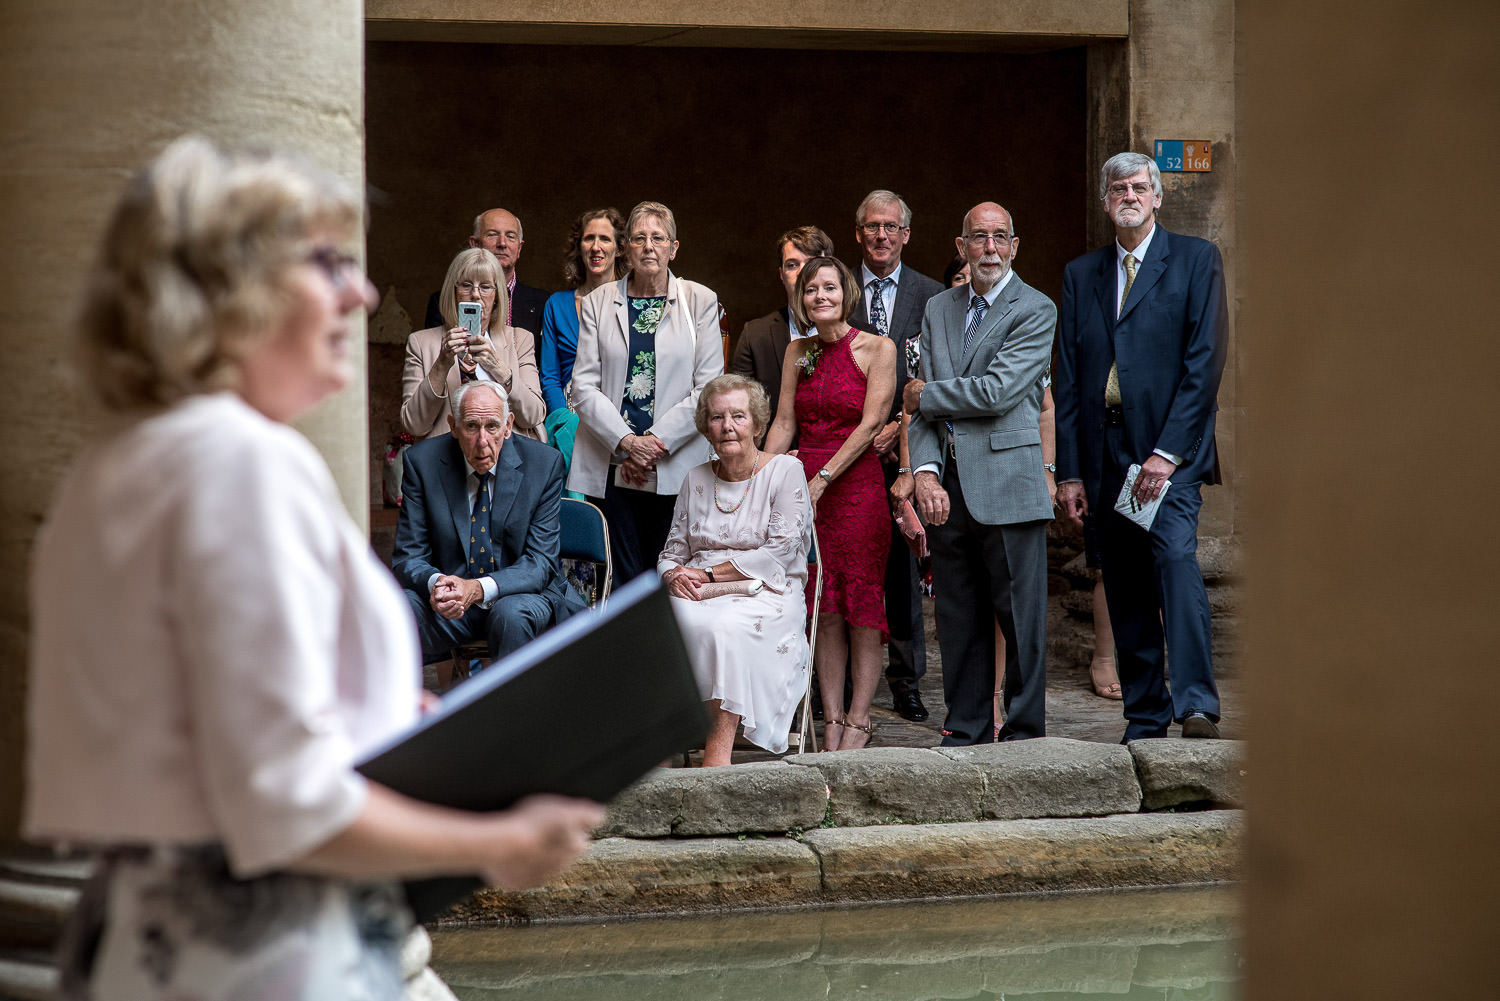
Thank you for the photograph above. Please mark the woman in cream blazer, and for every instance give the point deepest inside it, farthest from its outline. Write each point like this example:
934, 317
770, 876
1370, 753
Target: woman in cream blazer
436, 358
633, 466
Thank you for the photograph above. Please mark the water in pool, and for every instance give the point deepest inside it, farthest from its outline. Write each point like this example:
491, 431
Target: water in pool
1176, 945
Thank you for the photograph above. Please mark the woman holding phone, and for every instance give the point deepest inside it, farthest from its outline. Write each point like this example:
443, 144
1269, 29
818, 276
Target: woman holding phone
438, 359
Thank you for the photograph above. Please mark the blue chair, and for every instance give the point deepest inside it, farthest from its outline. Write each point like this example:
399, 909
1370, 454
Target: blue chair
585, 538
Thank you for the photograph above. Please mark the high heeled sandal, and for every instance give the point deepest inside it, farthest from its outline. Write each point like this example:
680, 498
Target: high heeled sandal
868, 729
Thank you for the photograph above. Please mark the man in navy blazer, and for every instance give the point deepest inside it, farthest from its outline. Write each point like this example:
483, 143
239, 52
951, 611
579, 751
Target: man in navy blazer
1140, 353
891, 304
477, 537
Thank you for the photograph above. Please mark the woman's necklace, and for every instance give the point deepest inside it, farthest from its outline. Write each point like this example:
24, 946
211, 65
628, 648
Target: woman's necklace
720, 504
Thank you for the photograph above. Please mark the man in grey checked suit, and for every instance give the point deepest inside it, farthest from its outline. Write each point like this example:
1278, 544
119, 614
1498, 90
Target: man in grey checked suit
891, 305
976, 445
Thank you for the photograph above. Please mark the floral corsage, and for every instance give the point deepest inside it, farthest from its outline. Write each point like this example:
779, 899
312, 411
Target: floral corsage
809, 359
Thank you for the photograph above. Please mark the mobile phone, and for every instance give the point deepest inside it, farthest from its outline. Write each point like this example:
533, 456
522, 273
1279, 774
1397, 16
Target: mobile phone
468, 316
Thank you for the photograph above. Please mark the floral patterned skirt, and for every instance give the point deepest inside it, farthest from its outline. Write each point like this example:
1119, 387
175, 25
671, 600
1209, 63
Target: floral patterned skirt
172, 923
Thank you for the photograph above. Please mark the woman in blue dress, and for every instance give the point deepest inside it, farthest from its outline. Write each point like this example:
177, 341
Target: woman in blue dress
594, 255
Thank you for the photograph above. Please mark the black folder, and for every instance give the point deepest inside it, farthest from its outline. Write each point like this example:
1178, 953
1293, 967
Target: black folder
620, 673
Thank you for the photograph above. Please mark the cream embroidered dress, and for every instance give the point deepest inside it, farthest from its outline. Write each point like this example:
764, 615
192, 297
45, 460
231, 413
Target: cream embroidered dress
748, 650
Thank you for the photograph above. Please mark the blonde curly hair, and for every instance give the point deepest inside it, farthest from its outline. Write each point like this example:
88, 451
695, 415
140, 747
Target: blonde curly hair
192, 268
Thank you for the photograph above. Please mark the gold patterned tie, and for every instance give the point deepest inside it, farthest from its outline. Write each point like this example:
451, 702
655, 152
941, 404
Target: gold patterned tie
1112, 386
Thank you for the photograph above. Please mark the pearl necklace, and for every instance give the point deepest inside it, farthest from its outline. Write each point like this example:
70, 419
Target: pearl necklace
720, 504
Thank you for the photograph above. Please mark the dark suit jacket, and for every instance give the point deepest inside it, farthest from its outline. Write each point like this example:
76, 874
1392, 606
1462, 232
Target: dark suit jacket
912, 293
432, 531
526, 312
761, 351
1170, 344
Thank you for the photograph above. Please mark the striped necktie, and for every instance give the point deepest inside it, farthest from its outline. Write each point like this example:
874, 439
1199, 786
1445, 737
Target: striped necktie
977, 308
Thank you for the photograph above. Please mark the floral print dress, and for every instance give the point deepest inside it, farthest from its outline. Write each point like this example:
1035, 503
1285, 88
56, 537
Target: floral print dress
639, 406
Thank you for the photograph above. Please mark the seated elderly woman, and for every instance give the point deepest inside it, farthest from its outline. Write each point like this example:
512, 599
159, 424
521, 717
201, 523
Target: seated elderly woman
736, 565
439, 360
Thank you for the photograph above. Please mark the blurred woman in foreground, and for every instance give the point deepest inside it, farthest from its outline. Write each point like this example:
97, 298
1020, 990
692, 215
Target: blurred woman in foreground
245, 643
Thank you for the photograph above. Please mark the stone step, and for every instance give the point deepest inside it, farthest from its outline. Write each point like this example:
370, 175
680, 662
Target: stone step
27, 977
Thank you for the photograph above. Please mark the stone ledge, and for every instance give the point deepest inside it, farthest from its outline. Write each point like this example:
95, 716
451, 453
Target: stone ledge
1052, 777
619, 877
1030, 779
896, 785
1026, 856
1173, 772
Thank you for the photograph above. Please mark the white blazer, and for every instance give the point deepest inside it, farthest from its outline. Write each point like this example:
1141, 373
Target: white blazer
689, 352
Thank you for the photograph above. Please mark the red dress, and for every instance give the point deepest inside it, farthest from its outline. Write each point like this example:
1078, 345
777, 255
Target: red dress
853, 518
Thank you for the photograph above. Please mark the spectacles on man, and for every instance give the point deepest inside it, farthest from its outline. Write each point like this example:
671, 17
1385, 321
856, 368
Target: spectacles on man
981, 239
875, 228
1120, 189
469, 288
335, 264
655, 239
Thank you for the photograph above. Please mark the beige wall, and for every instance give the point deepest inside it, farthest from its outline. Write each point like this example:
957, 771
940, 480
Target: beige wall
1371, 145
90, 91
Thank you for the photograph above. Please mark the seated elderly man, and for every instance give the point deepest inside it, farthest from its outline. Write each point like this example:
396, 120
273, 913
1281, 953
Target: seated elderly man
477, 538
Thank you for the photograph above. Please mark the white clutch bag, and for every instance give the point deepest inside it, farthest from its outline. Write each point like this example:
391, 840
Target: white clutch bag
718, 588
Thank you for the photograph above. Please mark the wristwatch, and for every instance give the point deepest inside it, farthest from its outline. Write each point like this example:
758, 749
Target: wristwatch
710, 572
827, 476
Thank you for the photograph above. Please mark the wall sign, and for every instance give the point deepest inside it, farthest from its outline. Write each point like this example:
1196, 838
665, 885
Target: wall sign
1184, 155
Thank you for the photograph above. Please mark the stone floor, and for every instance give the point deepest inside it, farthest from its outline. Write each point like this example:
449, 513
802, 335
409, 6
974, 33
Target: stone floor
1072, 708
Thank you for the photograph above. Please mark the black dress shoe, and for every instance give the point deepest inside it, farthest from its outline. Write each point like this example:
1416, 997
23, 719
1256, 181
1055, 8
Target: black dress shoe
1197, 724
909, 706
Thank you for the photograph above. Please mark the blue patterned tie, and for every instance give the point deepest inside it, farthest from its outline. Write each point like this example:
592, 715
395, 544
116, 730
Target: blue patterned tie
877, 306
978, 306
481, 553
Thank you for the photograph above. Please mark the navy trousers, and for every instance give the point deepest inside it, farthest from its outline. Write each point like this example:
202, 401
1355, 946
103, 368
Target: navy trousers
505, 626
1158, 605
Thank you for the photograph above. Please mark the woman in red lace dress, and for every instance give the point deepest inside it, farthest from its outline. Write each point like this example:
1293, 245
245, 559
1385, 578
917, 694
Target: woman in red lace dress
836, 391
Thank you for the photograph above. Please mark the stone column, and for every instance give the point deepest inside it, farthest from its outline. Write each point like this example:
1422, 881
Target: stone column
90, 90
1371, 171
1174, 78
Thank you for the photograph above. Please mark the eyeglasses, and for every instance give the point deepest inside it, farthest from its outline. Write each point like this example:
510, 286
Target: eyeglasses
335, 264
980, 239
889, 228
655, 239
469, 288
1120, 189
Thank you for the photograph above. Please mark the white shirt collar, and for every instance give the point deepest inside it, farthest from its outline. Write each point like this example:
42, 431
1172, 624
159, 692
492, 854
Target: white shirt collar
867, 276
994, 293
1139, 253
